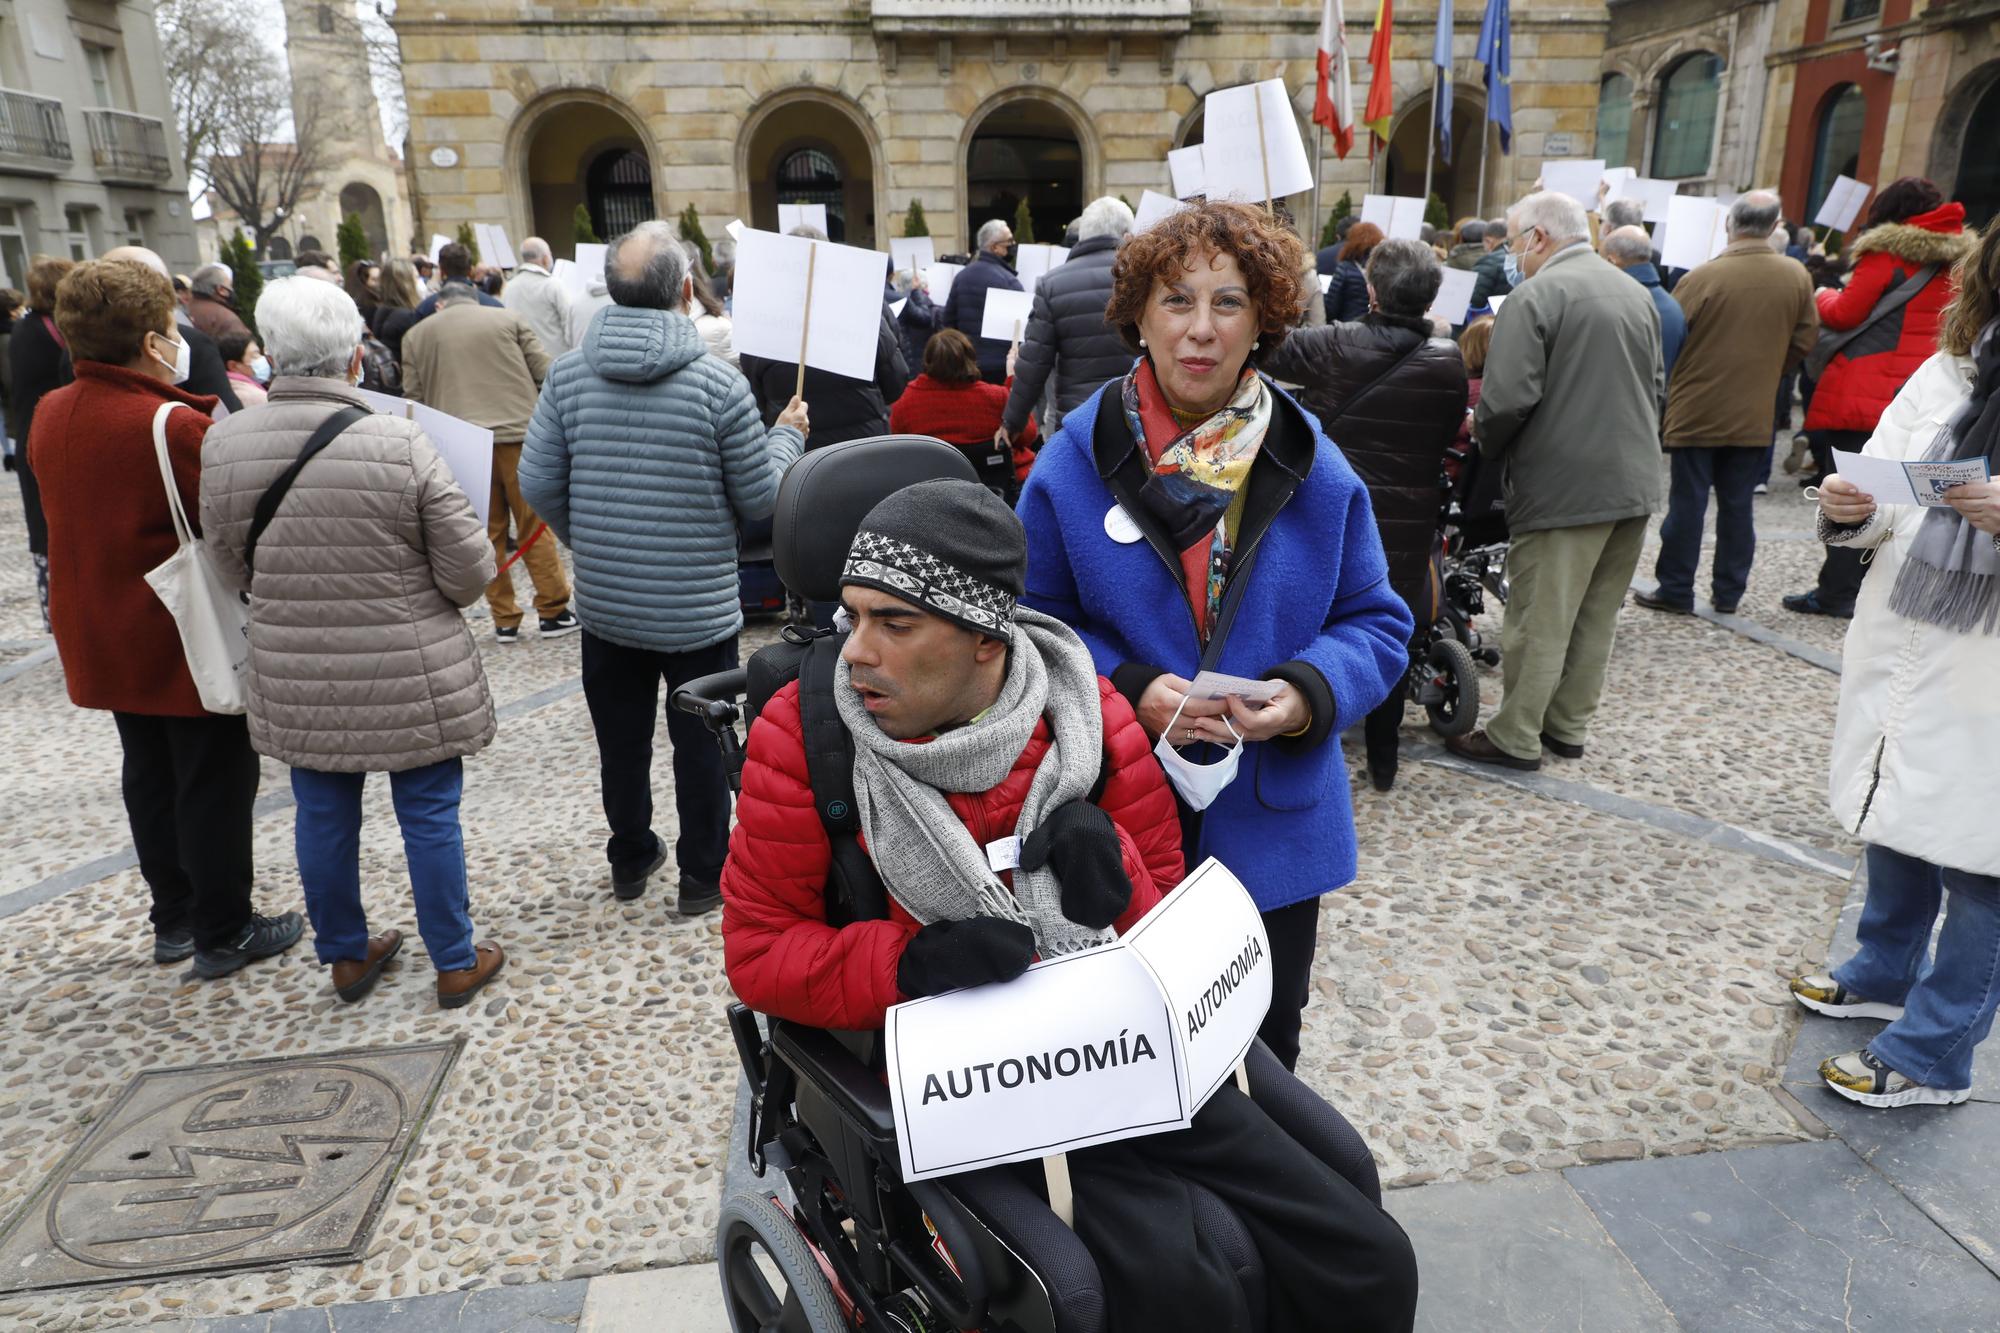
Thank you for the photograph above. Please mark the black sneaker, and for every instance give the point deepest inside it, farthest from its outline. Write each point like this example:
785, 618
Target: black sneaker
566, 623
698, 896
262, 937
173, 946
625, 888
507, 633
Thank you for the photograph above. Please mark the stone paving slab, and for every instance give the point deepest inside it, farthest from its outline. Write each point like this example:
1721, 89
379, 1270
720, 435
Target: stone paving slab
1939, 1157
685, 1300
547, 1305
1802, 1237
1520, 1254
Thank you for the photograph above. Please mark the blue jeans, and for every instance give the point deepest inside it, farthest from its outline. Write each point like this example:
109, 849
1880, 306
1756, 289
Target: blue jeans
1732, 473
1949, 1000
328, 836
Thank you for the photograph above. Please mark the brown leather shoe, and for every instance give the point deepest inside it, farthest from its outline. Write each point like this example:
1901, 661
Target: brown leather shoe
354, 978
1476, 747
456, 989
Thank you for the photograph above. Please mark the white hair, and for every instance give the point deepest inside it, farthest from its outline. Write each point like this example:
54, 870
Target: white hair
1106, 216
1557, 216
212, 278
308, 328
535, 250
990, 231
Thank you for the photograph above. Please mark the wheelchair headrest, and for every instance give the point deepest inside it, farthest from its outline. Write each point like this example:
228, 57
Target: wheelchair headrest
827, 493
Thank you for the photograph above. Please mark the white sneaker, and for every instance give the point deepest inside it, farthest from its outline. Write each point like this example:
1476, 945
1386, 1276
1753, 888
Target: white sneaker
1824, 995
1860, 1077
1761, 488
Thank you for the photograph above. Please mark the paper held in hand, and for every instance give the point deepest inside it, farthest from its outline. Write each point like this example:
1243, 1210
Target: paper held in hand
1190, 176
1154, 206
1843, 204
1894, 483
1032, 261
911, 254
1251, 149
1576, 177
801, 215
1212, 686
1697, 230
438, 242
493, 246
1454, 296
808, 303
938, 279
1129, 1039
1399, 218
466, 449
1653, 194
1006, 314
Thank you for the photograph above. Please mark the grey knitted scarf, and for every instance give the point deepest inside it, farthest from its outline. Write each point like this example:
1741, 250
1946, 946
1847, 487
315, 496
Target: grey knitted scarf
1952, 577
927, 858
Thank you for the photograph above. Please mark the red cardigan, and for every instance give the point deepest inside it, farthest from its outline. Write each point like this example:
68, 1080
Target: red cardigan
966, 415
91, 447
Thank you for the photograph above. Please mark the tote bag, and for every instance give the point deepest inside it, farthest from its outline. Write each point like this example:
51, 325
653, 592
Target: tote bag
213, 622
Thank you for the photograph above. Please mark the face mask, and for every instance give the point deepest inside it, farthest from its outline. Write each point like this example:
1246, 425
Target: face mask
183, 362
261, 369
1198, 784
1511, 265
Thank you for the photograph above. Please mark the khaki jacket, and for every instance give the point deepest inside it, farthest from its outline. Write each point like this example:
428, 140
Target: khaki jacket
1750, 318
359, 659
479, 363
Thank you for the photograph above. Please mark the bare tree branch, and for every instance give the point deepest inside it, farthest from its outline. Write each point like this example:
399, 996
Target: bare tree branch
276, 149
202, 42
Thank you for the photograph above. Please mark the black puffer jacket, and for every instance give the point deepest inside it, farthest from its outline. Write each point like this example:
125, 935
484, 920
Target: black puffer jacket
965, 310
840, 408
1392, 398
1067, 334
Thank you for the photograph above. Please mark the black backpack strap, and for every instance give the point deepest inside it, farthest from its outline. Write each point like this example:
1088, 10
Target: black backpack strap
267, 504
854, 888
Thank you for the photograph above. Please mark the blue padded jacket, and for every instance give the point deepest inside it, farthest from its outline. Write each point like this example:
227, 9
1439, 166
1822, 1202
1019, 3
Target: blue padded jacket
644, 455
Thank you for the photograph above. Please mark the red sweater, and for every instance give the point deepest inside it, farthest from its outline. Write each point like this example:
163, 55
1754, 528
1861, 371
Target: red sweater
91, 447
782, 956
966, 415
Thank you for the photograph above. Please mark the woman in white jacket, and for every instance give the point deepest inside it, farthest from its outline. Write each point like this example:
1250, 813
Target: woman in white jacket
1919, 726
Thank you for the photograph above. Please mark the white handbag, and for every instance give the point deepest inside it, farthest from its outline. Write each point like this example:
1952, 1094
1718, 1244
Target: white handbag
213, 621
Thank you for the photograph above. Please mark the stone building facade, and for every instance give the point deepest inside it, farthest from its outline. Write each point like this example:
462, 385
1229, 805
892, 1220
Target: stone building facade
1683, 90
519, 113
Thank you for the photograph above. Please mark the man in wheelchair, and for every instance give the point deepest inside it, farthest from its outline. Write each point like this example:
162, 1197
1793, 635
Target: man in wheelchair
1011, 805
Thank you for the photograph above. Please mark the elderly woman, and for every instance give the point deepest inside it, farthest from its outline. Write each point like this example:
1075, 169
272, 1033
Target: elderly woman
1191, 517
1393, 398
190, 776
359, 659
1919, 724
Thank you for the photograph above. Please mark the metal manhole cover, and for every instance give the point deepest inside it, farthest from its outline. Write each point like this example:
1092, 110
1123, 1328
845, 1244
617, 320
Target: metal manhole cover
228, 1166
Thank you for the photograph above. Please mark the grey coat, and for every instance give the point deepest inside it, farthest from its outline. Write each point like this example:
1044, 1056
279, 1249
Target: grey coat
359, 659
1571, 396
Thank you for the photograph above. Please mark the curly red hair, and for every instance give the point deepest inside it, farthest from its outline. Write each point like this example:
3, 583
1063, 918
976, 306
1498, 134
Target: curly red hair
1269, 253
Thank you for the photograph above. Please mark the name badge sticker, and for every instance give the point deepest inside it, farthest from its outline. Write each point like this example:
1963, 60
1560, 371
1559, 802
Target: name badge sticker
1120, 527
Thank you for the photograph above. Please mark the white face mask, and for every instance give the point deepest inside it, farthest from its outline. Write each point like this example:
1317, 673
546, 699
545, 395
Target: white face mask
183, 362
1198, 784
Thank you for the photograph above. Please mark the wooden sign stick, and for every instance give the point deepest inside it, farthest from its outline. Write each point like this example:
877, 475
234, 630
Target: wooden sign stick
1263, 153
805, 332
1062, 1200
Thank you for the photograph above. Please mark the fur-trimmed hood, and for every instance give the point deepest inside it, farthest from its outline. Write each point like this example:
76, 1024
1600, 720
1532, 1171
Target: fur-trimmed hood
1936, 237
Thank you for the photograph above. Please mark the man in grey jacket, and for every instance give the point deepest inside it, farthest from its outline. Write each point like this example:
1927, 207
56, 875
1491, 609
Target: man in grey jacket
535, 295
1066, 331
1571, 407
645, 455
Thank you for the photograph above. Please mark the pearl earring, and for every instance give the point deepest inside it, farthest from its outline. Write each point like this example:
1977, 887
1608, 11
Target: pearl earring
1255, 345
1142, 342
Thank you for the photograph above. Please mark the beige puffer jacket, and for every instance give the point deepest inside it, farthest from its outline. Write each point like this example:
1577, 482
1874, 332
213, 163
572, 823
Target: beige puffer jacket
359, 659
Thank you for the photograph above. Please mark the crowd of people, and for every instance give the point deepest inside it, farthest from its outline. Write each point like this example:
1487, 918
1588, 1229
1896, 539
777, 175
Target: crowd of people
1191, 460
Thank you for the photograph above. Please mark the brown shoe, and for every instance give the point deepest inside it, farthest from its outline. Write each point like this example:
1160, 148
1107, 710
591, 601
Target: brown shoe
1479, 750
354, 978
456, 989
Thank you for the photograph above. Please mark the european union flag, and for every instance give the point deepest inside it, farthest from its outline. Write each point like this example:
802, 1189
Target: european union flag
1496, 45
1441, 103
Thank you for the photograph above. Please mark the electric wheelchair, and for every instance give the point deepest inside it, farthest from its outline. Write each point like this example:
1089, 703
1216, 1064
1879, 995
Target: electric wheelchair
846, 1243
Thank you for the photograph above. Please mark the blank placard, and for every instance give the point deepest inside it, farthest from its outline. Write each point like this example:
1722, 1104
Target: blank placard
1006, 314
1400, 217
1654, 194
1576, 177
1032, 261
1697, 229
438, 242
801, 215
911, 254
938, 279
493, 246
1251, 149
1190, 177
1843, 204
1454, 296
772, 304
1154, 206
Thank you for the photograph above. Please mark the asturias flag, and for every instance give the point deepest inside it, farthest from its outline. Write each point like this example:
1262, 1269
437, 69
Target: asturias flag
1333, 101
1381, 108
1496, 53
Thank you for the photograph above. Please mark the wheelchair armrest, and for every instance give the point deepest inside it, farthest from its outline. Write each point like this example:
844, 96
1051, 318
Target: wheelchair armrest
713, 698
855, 1090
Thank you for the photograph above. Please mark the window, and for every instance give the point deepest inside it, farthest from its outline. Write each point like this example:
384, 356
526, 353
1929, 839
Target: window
76, 233
1684, 132
135, 227
1614, 119
618, 189
97, 60
1851, 10
811, 176
13, 249
1836, 143
326, 20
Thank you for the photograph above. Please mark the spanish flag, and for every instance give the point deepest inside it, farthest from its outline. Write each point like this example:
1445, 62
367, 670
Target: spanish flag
1381, 107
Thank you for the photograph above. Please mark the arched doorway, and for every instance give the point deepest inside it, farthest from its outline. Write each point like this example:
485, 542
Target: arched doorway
277, 248
1027, 148
1978, 180
1684, 123
574, 150
359, 199
1614, 120
1455, 182
811, 150
1836, 143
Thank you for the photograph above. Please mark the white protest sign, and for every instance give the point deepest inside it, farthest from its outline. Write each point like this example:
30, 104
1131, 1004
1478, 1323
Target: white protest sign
1108, 1044
438, 242
938, 279
1891, 482
808, 303
1454, 296
493, 246
570, 278
1325, 283
896, 308
1494, 303
1400, 217
1654, 194
735, 229
1251, 149
801, 215
1154, 206
1614, 177
1032, 261
1576, 177
590, 260
1190, 176
466, 449
912, 254
1006, 314
1843, 204
1697, 229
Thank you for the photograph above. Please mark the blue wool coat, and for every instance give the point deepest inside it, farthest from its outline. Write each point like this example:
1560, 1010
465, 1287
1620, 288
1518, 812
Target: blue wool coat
1318, 602
644, 455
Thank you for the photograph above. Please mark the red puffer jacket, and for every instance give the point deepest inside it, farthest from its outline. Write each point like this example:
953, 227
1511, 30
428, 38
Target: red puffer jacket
782, 956
1860, 382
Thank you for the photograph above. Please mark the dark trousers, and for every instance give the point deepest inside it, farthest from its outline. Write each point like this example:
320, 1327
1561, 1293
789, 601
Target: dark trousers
1732, 473
1294, 936
189, 784
1332, 1259
622, 687
1383, 725
1840, 572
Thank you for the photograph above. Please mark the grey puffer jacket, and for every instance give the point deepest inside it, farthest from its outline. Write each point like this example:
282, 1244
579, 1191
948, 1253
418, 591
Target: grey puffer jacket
644, 455
1066, 333
359, 659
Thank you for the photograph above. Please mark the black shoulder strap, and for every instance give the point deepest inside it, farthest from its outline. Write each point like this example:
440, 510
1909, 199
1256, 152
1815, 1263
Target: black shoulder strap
1372, 386
829, 749
267, 504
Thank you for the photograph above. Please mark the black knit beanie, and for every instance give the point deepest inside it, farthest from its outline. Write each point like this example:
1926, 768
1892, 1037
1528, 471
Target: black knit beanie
953, 548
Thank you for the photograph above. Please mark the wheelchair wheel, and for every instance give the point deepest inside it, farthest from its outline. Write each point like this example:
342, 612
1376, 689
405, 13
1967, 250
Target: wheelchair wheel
771, 1279
1457, 711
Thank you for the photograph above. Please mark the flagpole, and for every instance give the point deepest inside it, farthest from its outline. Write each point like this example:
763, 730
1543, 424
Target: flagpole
1319, 168
1430, 138
1485, 141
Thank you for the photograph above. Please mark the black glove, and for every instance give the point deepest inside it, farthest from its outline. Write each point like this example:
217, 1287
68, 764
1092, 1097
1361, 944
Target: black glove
1079, 842
949, 955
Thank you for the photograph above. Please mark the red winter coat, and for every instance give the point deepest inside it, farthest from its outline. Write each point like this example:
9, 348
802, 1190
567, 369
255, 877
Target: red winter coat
786, 961
1856, 389
966, 415
92, 451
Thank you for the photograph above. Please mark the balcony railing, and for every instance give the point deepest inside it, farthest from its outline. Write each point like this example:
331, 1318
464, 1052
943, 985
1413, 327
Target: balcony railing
33, 131
1167, 17
128, 147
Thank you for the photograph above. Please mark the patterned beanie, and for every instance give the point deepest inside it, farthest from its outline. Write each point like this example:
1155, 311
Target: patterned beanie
953, 548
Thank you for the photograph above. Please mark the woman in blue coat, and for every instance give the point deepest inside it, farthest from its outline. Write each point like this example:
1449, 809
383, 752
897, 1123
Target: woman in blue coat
1193, 494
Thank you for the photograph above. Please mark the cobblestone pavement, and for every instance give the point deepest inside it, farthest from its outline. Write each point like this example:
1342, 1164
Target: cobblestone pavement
1523, 978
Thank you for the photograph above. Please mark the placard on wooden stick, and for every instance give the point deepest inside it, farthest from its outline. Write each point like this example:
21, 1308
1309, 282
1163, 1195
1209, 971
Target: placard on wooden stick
1006, 314
1843, 204
1400, 217
1251, 148
912, 254
814, 303
801, 215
